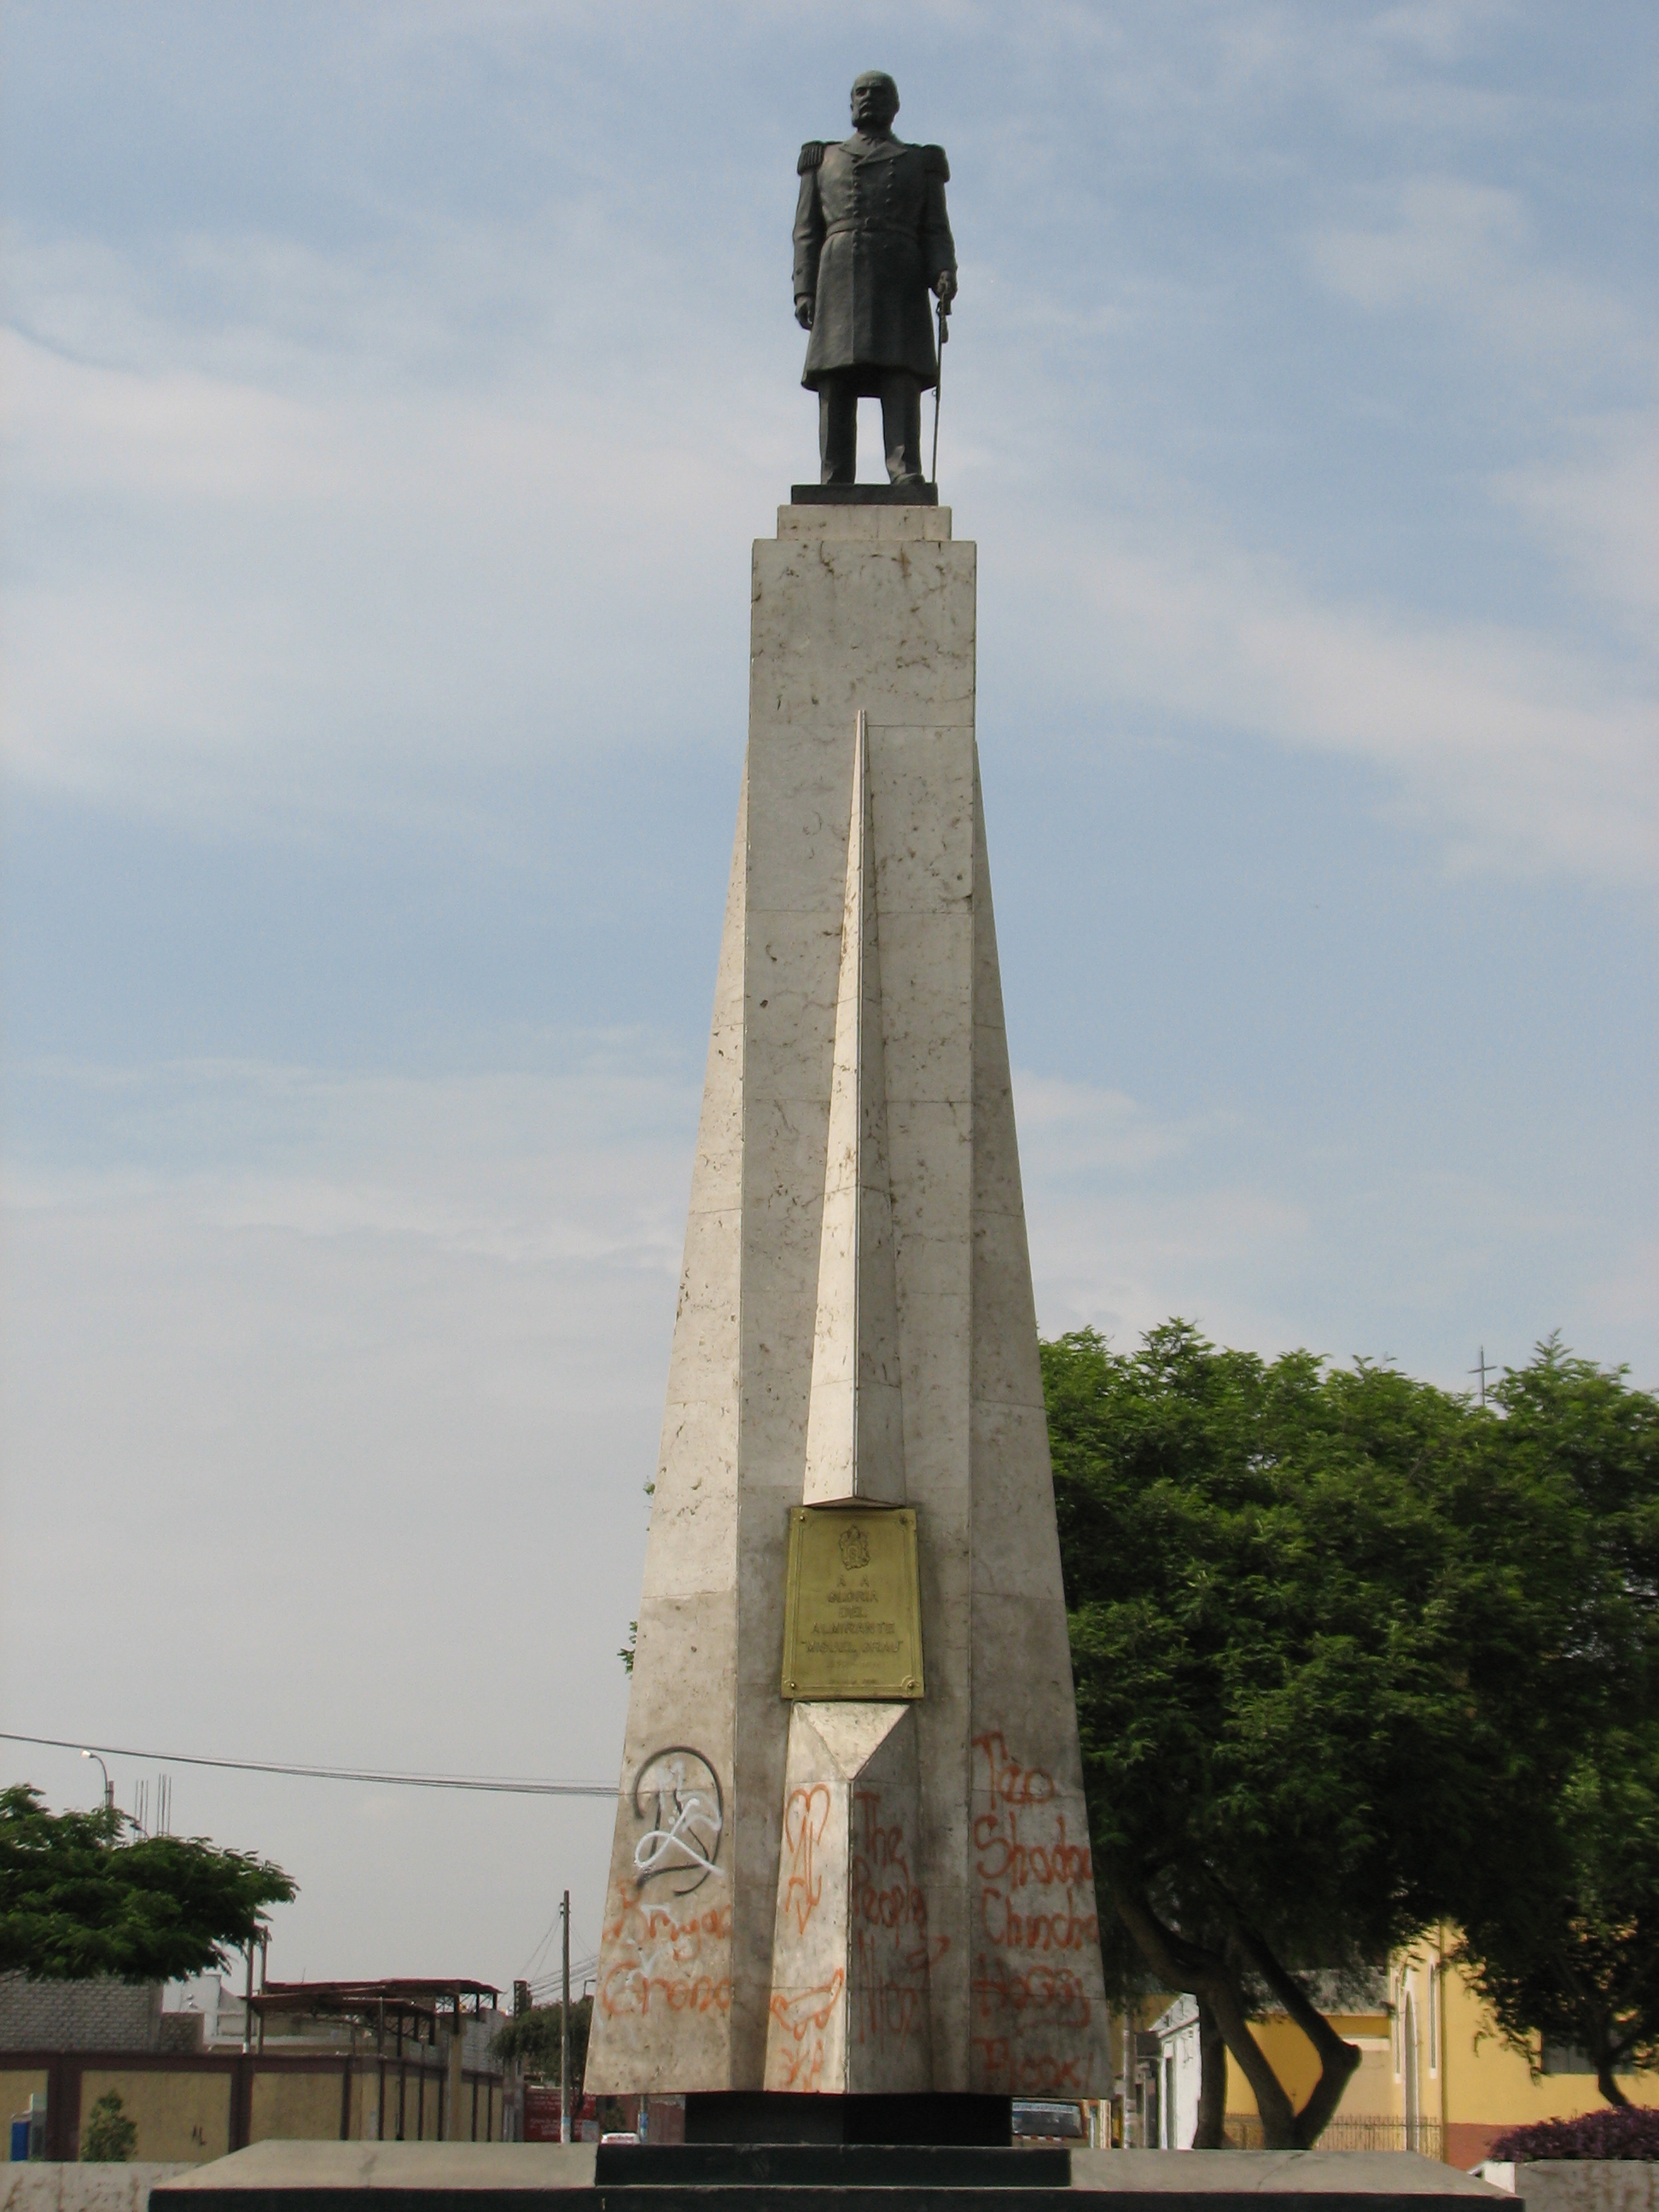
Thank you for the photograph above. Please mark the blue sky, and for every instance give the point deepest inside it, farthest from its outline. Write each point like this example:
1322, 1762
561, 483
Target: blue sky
393, 394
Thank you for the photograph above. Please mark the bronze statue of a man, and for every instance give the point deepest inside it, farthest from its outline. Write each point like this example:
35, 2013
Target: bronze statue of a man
872, 239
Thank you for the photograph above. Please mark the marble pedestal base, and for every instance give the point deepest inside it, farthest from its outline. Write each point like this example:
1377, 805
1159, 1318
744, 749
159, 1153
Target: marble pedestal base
898, 1901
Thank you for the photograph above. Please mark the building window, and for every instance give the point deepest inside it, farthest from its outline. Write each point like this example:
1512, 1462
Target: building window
1563, 2058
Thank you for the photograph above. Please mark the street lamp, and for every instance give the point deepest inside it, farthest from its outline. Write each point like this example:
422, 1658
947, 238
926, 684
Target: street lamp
109, 1787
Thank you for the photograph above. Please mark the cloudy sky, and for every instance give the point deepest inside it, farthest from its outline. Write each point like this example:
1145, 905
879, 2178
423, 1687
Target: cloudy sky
394, 393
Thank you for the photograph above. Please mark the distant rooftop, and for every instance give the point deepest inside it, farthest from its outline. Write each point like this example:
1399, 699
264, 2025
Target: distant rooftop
411, 1997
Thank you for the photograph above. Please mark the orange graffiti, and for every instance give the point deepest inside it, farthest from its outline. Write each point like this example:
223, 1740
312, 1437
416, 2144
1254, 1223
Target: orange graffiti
1004, 1858
1026, 2073
676, 1964
1054, 1992
1037, 1931
1011, 1784
1037, 1902
882, 1895
884, 1846
805, 1818
803, 2014
885, 2009
889, 1926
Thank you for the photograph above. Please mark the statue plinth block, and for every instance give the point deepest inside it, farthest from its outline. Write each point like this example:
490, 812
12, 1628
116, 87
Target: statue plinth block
856, 1338
863, 495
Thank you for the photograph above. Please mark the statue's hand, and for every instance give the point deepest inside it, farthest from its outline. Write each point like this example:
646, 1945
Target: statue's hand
804, 313
945, 285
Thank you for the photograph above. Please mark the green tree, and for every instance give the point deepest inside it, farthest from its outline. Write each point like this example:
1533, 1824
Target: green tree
1270, 1634
534, 2040
85, 1893
109, 2135
1343, 1642
1573, 1954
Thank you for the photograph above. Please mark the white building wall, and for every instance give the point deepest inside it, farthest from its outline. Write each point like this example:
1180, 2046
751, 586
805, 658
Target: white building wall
1181, 2074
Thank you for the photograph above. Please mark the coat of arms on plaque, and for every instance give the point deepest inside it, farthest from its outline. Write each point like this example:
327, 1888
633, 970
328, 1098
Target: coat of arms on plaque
855, 1548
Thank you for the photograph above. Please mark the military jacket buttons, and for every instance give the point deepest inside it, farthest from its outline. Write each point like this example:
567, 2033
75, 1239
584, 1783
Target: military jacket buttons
871, 236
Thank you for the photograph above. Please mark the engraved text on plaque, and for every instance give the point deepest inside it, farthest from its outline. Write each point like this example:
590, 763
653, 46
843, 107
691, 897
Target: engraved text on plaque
852, 1618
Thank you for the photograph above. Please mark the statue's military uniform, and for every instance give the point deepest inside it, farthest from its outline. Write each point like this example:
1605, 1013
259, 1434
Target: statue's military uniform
871, 235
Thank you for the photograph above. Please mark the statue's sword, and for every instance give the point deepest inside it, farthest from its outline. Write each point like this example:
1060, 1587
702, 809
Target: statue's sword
938, 382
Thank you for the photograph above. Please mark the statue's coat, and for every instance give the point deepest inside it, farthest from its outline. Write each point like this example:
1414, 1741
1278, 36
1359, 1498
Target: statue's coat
871, 235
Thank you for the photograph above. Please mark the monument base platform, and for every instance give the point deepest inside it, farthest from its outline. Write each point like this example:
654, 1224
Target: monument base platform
360, 2177
776, 2117
863, 495
838, 2167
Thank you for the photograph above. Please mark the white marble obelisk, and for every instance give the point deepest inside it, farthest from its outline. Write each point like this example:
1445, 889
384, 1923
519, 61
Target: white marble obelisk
854, 1896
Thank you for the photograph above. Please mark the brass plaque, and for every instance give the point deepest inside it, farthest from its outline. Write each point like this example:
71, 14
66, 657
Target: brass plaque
852, 1624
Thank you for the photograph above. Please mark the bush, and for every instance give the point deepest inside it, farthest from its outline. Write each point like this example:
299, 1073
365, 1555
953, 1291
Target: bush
109, 2135
1631, 2133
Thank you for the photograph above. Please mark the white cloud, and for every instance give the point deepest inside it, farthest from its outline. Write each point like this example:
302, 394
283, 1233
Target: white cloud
1515, 750
280, 635
1078, 1125
1347, 1250
1598, 509
1465, 249
306, 526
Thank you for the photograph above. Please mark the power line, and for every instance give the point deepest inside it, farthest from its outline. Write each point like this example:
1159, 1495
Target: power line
494, 1784
580, 1969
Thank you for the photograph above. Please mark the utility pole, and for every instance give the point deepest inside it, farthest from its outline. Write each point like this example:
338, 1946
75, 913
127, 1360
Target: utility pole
564, 2027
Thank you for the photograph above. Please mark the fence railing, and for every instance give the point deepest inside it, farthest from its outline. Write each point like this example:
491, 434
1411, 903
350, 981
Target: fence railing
1353, 2131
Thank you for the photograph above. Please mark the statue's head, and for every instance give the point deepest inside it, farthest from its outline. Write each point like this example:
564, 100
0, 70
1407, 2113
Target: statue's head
875, 101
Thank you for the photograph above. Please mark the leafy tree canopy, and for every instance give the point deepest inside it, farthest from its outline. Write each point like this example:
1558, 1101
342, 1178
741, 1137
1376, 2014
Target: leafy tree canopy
1574, 1956
109, 2138
85, 1893
534, 2039
1338, 1638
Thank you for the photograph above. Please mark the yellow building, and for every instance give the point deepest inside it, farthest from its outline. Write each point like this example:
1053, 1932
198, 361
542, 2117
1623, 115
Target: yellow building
1453, 2070
1435, 2074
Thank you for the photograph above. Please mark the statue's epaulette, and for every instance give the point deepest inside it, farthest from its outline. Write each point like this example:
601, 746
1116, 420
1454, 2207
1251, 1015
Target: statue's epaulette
934, 157
810, 154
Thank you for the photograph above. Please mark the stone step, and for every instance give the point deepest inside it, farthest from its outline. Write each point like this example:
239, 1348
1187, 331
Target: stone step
820, 2166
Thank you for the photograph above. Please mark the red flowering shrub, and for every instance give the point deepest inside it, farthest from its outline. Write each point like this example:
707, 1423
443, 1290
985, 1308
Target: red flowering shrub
1631, 2133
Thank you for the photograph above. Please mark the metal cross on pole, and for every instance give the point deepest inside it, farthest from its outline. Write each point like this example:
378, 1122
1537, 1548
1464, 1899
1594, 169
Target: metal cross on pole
1481, 1369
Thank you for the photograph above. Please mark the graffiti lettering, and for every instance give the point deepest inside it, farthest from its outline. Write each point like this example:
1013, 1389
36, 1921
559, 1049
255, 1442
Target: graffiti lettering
1035, 1931
1052, 1992
1026, 2073
1008, 1783
886, 2010
1003, 1858
1036, 1903
882, 1895
676, 1962
805, 1818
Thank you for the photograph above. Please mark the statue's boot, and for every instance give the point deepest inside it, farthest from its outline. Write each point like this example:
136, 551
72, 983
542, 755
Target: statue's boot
901, 425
